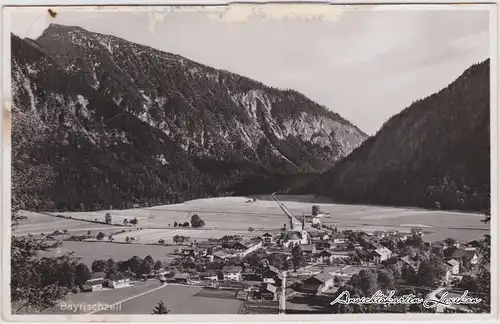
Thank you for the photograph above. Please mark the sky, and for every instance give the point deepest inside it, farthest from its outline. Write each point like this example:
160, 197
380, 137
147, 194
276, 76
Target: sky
367, 64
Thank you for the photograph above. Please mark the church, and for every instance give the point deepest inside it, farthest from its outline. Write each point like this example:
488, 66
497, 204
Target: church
293, 237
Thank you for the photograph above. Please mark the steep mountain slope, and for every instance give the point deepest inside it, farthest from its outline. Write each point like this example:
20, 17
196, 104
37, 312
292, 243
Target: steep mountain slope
435, 153
118, 123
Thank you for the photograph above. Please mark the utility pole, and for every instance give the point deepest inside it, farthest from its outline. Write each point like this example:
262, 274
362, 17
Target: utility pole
282, 305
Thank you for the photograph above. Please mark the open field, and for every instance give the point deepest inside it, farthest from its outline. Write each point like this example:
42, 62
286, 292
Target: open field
36, 223
149, 235
108, 297
233, 215
90, 251
180, 300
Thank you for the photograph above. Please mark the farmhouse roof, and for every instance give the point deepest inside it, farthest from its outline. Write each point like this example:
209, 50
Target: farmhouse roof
232, 269
221, 254
308, 247
460, 253
266, 235
97, 275
118, 276
271, 288
340, 252
95, 282
208, 273
273, 269
324, 253
181, 275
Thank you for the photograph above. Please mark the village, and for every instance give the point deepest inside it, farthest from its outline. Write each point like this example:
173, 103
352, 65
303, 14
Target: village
300, 268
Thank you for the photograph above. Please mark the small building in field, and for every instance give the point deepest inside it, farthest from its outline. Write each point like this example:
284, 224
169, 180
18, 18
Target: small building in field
118, 280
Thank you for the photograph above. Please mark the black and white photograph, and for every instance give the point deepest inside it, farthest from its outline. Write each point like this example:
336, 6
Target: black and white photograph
249, 160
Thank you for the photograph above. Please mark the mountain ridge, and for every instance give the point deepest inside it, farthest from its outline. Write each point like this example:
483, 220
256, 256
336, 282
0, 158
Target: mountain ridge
179, 129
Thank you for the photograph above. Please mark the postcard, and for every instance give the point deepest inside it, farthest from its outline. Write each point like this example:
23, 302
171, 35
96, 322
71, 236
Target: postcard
249, 162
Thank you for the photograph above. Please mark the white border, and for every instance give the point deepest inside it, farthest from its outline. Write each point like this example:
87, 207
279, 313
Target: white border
407, 5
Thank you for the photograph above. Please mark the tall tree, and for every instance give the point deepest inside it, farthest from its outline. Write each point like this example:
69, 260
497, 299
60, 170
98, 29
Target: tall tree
82, 274
110, 267
196, 221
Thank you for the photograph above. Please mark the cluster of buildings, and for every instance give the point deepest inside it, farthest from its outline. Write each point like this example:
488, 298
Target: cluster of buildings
99, 281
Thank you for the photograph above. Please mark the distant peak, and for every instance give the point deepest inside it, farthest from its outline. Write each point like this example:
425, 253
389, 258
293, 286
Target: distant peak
57, 27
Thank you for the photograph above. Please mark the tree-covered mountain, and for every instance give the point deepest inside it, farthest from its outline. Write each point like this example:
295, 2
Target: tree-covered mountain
435, 153
100, 122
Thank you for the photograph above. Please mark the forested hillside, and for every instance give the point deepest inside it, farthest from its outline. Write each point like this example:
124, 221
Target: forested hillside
435, 153
113, 123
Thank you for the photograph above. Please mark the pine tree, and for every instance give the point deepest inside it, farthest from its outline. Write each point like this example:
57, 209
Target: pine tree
160, 309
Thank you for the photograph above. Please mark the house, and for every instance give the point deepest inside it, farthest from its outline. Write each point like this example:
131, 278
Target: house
455, 266
316, 220
271, 275
318, 283
268, 292
340, 254
308, 249
180, 277
474, 244
267, 239
163, 274
342, 272
324, 244
338, 239
208, 245
468, 257
414, 265
447, 272
189, 252
220, 256
380, 254
323, 257
232, 273
96, 281
118, 280
250, 246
